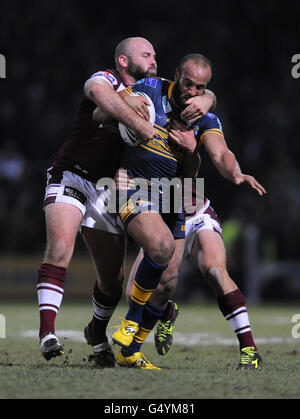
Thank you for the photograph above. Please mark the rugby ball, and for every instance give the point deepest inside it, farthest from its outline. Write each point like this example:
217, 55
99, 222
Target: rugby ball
129, 135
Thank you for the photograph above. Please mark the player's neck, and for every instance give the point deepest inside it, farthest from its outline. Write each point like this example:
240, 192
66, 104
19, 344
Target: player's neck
128, 79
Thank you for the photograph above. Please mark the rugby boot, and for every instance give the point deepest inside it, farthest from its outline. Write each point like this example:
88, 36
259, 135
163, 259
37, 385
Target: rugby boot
103, 354
250, 359
163, 335
50, 346
137, 360
125, 333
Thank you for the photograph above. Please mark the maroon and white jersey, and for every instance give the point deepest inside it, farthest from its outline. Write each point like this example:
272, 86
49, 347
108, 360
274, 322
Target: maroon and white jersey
91, 151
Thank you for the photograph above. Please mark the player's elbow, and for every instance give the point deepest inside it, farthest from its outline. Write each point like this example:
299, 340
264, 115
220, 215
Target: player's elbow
94, 90
214, 99
91, 90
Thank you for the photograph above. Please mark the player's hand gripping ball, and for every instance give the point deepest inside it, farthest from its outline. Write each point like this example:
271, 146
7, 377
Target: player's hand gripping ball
129, 135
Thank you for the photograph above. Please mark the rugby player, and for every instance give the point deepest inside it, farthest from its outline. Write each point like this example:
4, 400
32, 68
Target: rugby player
159, 159
72, 201
203, 240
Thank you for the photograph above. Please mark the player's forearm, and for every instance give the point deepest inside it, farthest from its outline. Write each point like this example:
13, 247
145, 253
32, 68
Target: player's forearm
113, 105
228, 166
109, 103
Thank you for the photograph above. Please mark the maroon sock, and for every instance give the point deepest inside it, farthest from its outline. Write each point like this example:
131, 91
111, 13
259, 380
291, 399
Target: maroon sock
233, 308
50, 290
169, 312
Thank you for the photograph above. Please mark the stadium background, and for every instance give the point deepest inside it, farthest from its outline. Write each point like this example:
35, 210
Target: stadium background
51, 47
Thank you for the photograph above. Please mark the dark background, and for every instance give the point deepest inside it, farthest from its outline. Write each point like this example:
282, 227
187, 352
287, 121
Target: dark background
51, 48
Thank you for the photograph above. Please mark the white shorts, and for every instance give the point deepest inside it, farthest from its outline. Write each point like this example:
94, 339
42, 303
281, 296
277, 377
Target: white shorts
204, 219
69, 188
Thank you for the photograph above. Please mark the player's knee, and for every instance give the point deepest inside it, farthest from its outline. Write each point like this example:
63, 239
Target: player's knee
59, 252
161, 250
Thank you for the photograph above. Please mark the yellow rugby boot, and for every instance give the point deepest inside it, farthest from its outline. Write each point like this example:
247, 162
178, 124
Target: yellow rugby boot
137, 360
125, 333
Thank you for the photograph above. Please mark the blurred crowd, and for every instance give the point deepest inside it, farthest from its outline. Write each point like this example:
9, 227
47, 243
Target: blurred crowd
52, 47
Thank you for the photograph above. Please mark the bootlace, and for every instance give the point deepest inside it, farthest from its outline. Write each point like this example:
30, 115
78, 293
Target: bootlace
164, 330
246, 355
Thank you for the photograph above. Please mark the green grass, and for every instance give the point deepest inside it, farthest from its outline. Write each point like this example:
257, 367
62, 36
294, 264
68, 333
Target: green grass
189, 372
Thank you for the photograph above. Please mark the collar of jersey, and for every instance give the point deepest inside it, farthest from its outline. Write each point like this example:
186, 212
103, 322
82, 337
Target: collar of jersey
170, 89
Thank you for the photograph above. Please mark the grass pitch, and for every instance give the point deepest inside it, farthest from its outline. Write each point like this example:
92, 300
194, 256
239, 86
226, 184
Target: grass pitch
200, 365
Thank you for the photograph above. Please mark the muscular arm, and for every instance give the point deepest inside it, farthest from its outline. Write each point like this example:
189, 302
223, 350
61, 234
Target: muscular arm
198, 106
226, 163
111, 104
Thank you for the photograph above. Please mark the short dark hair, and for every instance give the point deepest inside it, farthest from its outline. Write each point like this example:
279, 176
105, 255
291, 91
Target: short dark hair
197, 58
122, 49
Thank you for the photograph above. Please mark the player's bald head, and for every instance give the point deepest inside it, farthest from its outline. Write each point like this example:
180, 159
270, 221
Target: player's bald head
129, 46
194, 59
135, 58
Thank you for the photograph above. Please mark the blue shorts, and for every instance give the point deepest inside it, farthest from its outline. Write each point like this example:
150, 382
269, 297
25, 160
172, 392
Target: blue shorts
132, 202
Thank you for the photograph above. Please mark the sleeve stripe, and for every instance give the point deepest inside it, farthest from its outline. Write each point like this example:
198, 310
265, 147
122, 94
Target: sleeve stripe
128, 90
212, 130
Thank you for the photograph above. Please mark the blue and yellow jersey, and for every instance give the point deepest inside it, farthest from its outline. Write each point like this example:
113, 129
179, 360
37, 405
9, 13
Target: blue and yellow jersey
160, 157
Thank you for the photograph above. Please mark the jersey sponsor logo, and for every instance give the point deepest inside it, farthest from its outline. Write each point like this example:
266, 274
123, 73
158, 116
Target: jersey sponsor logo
151, 83
210, 115
166, 104
74, 193
107, 75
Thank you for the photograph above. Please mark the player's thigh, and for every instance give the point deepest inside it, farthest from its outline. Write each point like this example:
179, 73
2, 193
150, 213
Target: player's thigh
107, 251
62, 224
208, 250
150, 231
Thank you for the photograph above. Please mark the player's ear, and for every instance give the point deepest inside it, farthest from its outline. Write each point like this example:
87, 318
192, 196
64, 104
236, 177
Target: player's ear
123, 61
177, 74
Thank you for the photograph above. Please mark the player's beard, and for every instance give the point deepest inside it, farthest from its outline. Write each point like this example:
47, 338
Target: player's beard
138, 73
178, 98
